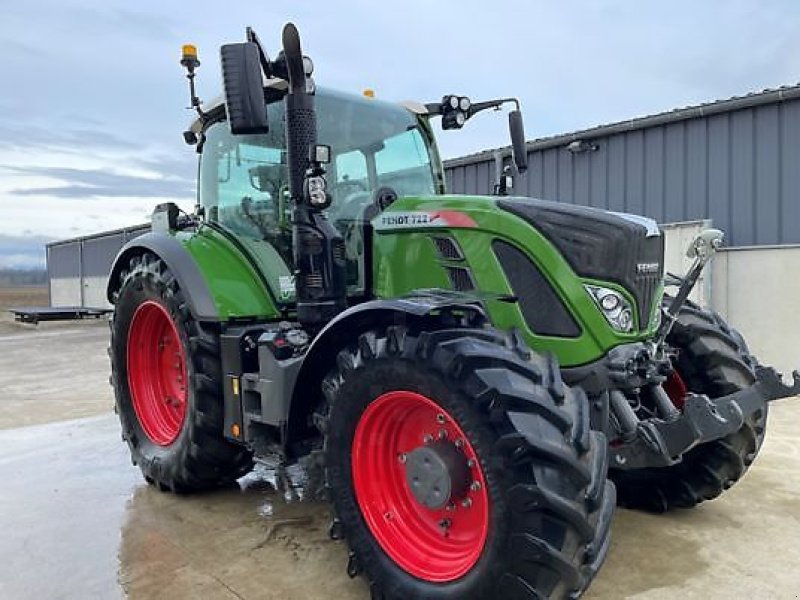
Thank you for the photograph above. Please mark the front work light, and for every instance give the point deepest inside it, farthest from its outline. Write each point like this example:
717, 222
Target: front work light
455, 111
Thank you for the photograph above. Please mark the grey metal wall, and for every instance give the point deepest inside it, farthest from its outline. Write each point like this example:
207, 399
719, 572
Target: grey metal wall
739, 167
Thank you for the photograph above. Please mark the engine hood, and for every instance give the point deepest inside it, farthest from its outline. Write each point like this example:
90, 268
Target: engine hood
602, 245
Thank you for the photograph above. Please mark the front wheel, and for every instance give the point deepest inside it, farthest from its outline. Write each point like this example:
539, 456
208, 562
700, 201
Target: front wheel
459, 470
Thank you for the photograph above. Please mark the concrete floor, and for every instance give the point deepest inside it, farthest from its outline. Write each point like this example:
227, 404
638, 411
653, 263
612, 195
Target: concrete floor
78, 522
53, 372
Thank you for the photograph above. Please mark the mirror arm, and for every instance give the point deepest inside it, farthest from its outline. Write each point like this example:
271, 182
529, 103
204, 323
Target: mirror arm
435, 108
496, 104
263, 58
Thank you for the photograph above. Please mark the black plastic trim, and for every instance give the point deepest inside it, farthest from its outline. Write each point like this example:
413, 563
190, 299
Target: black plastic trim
429, 308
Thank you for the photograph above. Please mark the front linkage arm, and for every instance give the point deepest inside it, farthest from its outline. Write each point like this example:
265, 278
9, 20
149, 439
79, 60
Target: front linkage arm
660, 443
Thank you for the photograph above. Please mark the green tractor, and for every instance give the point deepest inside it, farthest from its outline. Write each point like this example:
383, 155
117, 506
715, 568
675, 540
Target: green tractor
479, 380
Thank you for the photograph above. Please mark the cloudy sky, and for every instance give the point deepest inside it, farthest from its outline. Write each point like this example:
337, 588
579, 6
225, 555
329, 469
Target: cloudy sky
92, 99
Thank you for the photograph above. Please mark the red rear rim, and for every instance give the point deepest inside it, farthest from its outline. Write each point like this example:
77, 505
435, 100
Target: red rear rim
676, 389
157, 373
433, 545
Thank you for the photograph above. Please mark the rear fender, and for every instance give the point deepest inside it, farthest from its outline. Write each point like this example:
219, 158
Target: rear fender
181, 264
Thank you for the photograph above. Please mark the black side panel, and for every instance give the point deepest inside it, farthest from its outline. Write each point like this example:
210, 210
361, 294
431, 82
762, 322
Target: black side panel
599, 245
182, 266
543, 310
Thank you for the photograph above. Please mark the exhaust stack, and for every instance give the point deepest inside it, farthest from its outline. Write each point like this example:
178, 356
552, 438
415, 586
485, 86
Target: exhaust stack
318, 247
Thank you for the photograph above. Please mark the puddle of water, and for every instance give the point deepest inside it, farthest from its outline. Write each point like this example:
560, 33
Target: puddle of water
78, 522
249, 541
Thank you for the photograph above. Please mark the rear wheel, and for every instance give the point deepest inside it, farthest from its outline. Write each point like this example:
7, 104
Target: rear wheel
457, 469
713, 359
167, 382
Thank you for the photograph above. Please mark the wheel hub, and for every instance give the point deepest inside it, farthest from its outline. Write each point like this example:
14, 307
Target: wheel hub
437, 474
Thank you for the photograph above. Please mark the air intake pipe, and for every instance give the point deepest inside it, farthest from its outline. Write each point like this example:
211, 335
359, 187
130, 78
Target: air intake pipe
318, 247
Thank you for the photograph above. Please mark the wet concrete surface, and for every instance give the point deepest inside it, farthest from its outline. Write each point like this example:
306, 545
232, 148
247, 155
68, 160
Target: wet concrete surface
78, 522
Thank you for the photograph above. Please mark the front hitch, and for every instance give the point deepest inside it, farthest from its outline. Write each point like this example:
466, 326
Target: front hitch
660, 443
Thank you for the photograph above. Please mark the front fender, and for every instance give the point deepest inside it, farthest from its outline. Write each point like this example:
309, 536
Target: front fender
442, 306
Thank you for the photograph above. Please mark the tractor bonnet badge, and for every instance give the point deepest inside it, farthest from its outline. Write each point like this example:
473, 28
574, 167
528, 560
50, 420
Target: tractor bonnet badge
647, 268
415, 219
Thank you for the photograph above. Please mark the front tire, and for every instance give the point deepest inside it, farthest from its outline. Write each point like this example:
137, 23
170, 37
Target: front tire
167, 379
714, 360
531, 519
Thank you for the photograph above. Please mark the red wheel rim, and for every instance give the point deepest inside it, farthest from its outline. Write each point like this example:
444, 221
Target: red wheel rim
157, 373
412, 534
676, 389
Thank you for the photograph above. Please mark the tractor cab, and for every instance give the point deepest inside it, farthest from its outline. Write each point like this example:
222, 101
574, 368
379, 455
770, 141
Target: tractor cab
378, 151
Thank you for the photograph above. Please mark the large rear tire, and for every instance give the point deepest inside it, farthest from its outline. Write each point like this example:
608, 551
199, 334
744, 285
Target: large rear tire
532, 518
713, 359
165, 370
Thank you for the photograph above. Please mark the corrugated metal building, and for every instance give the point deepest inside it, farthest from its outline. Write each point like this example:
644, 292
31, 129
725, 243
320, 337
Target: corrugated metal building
735, 161
77, 268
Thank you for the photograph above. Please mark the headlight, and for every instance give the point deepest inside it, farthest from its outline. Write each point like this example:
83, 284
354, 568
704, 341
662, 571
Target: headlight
614, 306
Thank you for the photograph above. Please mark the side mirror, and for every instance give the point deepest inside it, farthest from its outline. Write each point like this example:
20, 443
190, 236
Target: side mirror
244, 89
517, 131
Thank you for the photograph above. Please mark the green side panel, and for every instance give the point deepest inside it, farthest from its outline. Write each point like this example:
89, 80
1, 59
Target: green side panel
237, 287
405, 259
406, 262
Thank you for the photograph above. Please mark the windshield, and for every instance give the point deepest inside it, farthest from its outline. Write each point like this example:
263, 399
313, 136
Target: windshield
374, 144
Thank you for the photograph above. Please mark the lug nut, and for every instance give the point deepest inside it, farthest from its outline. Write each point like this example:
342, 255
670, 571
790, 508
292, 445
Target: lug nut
471, 463
443, 434
476, 486
466, 502
450, 507
440, 419
427, 438
459, 444
402, 457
